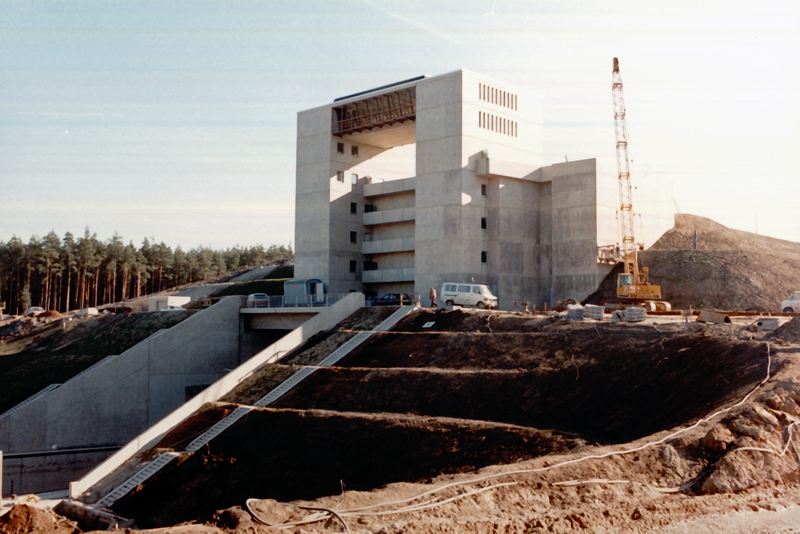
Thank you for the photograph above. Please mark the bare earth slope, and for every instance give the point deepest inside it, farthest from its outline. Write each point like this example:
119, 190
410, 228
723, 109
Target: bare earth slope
551, 401
730, 270
54, 352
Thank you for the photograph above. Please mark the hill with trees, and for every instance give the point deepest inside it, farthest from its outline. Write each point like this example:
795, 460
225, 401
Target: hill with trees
69, 273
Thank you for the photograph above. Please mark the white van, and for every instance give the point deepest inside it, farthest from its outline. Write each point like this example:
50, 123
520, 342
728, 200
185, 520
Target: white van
468, 295
792, 304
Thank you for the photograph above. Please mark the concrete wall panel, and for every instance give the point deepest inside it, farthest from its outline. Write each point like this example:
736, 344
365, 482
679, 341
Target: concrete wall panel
169, 391
438, 91
393, 231
49, 472
439, 122
314, 149
314, 121
437, 156
108, 404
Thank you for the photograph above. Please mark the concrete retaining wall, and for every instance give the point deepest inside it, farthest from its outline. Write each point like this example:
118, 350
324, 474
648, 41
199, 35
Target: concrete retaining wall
324, 321
47, 472
123, 395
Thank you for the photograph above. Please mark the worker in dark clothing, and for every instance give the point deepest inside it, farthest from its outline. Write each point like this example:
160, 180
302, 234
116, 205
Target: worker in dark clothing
433, 298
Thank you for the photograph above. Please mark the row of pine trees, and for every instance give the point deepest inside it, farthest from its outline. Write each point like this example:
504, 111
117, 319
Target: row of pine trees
71, 273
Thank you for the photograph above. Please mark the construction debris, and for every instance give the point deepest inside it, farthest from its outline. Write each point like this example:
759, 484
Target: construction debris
706, 316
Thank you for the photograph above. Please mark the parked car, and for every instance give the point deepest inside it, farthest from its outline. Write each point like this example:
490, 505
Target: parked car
171, 308
393, 299
792, 304
468, 295
257, 300
33, 311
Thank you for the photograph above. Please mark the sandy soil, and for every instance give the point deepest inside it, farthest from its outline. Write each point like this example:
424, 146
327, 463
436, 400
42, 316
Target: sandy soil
730, 270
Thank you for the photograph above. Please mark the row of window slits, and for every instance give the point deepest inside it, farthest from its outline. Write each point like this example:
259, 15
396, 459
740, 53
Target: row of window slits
497, 124
497, 96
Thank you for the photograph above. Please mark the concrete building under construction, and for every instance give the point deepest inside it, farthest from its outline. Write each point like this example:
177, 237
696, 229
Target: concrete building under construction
434, 179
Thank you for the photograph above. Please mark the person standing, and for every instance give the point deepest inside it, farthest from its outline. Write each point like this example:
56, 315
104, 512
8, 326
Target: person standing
433, 298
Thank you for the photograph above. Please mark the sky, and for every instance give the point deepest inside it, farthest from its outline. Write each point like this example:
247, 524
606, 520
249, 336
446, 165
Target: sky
176, 120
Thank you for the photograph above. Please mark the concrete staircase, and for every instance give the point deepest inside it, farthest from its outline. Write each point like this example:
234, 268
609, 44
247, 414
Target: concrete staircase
283, 388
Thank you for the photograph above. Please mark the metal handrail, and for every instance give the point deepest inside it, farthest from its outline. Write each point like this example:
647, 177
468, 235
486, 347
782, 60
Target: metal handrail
295, 301
375, 117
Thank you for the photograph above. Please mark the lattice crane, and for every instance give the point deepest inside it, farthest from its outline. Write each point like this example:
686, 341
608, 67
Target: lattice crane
632, 283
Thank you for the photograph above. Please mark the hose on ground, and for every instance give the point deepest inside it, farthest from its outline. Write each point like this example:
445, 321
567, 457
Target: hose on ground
433, 503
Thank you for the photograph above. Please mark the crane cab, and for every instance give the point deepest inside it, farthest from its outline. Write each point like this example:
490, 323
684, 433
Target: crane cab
627, 289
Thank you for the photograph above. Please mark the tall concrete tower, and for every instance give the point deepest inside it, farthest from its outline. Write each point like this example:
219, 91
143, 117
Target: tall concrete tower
435, 179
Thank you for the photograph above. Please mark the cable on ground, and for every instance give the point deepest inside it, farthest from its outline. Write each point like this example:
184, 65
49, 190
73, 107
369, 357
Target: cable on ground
433, 503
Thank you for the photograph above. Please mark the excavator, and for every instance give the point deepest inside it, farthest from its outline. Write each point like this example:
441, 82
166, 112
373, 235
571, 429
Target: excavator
633, 285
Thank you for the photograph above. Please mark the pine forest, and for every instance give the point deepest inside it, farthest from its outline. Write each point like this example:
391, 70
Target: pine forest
71, 273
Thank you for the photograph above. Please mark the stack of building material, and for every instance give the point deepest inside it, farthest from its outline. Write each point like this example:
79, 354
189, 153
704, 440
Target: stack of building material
575, 312
635, 314
593, 312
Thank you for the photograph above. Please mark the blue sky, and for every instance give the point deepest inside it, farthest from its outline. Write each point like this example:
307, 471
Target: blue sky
176, 120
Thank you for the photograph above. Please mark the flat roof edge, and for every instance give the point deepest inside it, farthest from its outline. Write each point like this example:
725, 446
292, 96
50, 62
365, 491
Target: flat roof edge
413, 81
381, 88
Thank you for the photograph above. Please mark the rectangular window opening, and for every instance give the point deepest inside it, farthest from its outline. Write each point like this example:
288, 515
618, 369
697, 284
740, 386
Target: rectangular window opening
354, 178
483, 189
354, 151
353, 207
340, 148
340, 176
483, 256
354, 237
484, 224
353, 265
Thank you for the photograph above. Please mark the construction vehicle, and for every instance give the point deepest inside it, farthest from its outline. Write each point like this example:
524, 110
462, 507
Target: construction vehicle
633, 285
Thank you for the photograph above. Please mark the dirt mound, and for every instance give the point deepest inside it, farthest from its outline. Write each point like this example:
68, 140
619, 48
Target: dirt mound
753, 442
466, 320
613, 391
562, 305
725, 272
24, 519
716, 237
367, 318
298, 454
789, 332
